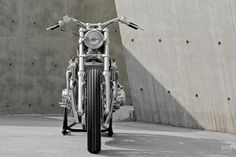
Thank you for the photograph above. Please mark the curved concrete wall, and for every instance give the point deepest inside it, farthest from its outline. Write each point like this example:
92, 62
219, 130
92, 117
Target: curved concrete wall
31, 65
182, 67
33, 61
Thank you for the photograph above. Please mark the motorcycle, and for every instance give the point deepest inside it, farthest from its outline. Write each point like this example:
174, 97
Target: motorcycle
92, 90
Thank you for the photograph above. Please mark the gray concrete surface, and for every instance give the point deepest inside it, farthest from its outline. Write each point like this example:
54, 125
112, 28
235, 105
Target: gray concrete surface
125, 113
27, 136
181, 68
33, 61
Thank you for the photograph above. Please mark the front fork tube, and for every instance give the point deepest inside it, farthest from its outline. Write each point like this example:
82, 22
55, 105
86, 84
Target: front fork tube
68, 74
80, 72
80, 92
107, 84
106, 72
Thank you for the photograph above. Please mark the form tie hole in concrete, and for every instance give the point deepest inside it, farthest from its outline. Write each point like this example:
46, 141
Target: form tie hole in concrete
8, 106
219, 42
141, 89
196, 95
55, 65
228, 99
132, 40
187, 41
168, 91
12, 21
30, 105
10, 64
34, 23
53, 105
32, 63
159, 40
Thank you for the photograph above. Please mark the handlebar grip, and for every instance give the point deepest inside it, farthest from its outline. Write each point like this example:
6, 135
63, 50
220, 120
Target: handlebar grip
53, 27
132, 26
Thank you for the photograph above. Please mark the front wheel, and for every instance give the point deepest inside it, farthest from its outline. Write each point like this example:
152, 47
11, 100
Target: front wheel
94, 111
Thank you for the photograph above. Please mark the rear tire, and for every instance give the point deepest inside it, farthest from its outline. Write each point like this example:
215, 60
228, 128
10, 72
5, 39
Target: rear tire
94, 111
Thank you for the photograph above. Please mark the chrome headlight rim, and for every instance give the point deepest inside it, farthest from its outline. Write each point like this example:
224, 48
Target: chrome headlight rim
94, 39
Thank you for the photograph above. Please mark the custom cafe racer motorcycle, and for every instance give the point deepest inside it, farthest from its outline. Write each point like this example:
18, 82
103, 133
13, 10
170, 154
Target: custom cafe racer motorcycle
92, 90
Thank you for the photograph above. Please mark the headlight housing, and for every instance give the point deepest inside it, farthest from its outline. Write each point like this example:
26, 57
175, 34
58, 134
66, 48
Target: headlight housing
93, 39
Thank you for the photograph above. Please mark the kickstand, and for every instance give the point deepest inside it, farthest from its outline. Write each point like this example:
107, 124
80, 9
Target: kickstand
65, 123
67, 128
110, 129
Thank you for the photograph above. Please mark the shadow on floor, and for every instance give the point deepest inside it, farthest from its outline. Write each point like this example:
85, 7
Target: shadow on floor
166, 146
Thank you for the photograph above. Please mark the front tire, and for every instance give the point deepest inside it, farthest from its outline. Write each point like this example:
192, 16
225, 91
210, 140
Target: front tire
94, 111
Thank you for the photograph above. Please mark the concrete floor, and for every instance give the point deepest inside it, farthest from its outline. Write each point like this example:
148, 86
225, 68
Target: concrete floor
37, 136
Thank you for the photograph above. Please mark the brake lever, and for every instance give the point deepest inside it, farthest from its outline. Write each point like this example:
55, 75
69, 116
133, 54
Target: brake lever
64, 30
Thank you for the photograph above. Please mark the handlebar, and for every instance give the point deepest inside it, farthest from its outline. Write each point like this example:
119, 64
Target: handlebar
67, 19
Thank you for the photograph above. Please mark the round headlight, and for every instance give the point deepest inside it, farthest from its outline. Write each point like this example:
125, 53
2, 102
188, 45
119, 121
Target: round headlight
93, 39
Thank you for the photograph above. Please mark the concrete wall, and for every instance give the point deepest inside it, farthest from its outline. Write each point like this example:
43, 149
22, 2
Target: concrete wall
182, 67
33, 61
